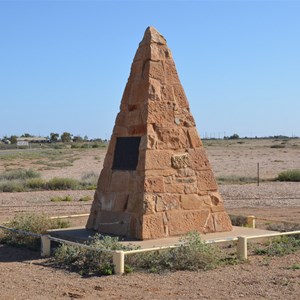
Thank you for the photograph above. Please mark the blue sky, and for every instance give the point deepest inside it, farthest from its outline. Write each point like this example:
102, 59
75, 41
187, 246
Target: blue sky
64, 64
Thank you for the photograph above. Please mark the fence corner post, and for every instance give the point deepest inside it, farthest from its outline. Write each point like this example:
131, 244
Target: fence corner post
251, 221
242, 249
45, 245
118, 261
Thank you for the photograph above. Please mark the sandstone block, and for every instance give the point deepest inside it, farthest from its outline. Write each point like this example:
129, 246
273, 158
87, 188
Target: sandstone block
171, 138
104, 179
158, 160
174, 188
154, 70
160, 112
153, 226
222, 221
195, 202
181, 222
154, 185
198, 159
120, 202
135, 203
149, 204
180, 96
180, 161
206, 181
194, 138
166, 202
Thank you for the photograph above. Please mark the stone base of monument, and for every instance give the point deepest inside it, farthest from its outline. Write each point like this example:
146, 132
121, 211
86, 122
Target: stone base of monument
81, 235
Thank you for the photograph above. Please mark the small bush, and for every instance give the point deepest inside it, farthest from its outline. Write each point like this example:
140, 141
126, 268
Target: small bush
193, 255
289, 175
238, 220
279, 246
21, 174
62, 184
30, 223
278, 146
12, 186
85, 198
90, 261
35, 183
59, 199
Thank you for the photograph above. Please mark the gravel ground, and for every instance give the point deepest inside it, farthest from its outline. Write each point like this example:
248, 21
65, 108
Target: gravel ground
24, 276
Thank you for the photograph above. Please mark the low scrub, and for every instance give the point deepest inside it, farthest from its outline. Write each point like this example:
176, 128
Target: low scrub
67, 198
19, 174
279, 246
85, 198
34, 223
62, 184
289, 175
238, 220
90, 261
192, 255
12, 186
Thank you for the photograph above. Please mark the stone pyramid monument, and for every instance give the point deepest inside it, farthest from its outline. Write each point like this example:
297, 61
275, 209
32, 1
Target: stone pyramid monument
156, 179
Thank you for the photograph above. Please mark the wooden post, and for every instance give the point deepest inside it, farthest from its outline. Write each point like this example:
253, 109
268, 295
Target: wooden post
242, 251
118, 261
257, 174
45, 245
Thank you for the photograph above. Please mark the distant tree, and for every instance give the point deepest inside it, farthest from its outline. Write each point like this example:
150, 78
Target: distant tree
78, 139
54, 137
66, 137
234, 137
13, 139
85, 138
25, 135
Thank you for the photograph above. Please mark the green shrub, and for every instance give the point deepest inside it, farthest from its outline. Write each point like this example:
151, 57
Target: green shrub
21, 174
279, 246
59, 199
12, 186
62, 184
35, 183
89, 181
90, 261
85, 198
193, 255
289, 175
33, 223
238, 220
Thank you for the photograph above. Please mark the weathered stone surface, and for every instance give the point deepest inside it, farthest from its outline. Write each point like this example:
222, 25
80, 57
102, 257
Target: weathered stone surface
172, 190
181, 222
222, 221
194, 138
153, 226
217, 202
158, 159
206, 181
180, 161
154, 184
166, 202
195, 202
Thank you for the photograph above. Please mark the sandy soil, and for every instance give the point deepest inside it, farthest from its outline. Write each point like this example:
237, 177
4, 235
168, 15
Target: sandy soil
23, 275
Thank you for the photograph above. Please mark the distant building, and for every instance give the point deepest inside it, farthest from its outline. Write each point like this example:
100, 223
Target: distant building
24, 141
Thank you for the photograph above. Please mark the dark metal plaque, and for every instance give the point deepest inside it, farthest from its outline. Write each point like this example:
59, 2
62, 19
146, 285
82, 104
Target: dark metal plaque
126, 153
